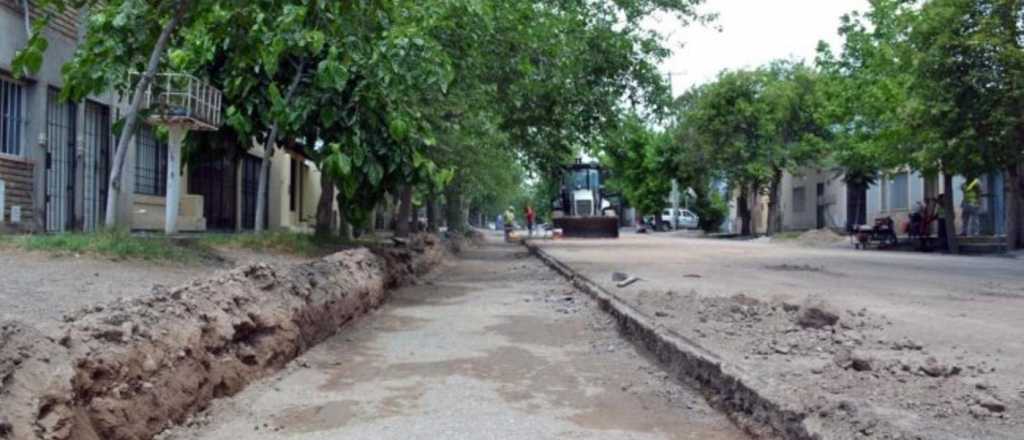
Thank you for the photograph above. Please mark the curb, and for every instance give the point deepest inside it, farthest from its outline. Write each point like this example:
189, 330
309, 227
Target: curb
727, 387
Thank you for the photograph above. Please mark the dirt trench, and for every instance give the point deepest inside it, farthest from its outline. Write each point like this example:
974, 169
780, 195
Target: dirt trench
129, 369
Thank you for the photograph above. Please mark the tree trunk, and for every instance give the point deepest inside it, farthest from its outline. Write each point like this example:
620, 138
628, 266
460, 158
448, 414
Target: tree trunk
404, 212
268, 154
743, 209
453, 205
1014, 208
950, 213
325, 206
131, 118
775, 204
344, 227
374, 223
432, 225
395, 204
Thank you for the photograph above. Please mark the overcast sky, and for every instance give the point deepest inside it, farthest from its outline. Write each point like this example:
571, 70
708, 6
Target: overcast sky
754, 32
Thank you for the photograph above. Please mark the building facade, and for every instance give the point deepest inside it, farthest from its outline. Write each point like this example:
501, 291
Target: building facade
56, 157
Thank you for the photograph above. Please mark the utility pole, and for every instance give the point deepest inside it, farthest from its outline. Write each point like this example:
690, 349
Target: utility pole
675, 204
671, 83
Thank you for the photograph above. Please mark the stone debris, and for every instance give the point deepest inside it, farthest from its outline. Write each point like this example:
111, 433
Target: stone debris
817, 315
824, 355
628, 282
932, 367
907, 344
855, 360
992, 404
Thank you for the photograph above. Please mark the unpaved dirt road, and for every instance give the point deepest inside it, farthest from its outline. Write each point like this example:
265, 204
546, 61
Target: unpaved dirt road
493, 346
39, 288
933, 344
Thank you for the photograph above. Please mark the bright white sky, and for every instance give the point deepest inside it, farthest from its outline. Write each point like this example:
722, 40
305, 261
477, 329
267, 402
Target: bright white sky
754, 32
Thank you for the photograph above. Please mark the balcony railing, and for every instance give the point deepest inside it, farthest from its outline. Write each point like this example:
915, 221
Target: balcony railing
181, 99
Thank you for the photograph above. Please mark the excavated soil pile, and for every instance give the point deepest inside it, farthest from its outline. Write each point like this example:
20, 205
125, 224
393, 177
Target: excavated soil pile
852, 376
129, 369
820, 238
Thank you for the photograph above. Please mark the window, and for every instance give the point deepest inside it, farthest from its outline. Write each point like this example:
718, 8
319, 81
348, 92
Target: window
150, 163
799, 199
11, 117
898, 191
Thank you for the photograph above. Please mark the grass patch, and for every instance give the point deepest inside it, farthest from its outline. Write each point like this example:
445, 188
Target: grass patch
119, 245
293, 243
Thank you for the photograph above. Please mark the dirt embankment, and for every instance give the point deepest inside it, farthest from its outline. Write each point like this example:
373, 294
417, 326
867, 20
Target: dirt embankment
129, 369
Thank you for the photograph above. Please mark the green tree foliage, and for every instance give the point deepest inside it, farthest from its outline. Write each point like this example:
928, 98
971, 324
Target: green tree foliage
631, 156
457, 94
967, 93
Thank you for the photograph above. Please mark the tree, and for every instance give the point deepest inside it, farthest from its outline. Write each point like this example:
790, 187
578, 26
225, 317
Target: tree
930, 86
967, 90
796, 124
728, 123
631, 157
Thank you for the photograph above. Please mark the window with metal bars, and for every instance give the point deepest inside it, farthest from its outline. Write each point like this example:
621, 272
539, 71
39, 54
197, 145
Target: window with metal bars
12, 117
150, 163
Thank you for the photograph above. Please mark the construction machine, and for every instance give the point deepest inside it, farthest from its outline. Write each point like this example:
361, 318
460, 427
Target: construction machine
581, 209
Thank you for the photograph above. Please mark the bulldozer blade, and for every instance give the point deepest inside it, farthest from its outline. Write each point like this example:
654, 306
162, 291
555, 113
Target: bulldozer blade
588, 227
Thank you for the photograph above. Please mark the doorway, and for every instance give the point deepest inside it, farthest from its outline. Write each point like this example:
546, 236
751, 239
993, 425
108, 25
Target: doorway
60, 162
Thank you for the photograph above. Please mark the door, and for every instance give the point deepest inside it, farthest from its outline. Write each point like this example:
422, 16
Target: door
60, 162
822, 207
856, 205
96, 164
250, 188
216, 180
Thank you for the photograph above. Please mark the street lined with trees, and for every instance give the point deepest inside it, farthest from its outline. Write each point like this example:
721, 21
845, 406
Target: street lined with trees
455, 100
928, 86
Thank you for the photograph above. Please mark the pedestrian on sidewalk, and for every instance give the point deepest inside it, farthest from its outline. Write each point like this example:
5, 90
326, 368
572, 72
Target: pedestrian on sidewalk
510, 221
530, 217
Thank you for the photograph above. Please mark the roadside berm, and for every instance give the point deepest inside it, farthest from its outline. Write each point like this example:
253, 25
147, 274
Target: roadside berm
130, 369
811, 369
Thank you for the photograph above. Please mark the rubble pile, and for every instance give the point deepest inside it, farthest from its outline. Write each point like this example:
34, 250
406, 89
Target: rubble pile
129, 369
851, 375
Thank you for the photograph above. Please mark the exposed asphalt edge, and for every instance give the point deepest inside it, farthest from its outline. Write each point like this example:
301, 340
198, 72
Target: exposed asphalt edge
728, 387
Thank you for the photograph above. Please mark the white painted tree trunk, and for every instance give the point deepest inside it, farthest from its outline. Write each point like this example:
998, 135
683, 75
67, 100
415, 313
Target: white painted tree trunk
177, 136
268, 155
131, 117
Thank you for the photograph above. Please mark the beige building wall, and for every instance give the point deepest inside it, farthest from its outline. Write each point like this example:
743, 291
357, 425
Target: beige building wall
307, 192
800, 202
148, 211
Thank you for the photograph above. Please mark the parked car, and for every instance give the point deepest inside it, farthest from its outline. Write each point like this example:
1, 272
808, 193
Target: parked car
665, 222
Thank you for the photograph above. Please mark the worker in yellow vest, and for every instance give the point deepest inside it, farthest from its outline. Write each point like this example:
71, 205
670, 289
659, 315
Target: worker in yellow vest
970, 208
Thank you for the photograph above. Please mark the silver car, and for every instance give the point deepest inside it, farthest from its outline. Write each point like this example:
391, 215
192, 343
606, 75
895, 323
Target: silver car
687, 219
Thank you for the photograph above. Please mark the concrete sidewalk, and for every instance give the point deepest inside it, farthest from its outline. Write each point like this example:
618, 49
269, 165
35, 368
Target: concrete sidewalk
900, 312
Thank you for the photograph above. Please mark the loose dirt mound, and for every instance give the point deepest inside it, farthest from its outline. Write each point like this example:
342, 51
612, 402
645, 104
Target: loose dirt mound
129, 369
820, 237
